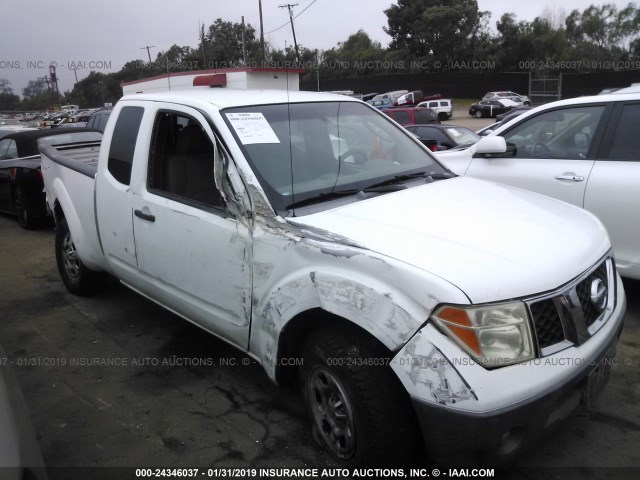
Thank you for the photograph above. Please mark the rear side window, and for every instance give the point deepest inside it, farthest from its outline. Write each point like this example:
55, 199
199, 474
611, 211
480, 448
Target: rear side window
123, 143
625, 144
433, 134
400, 117
11, 151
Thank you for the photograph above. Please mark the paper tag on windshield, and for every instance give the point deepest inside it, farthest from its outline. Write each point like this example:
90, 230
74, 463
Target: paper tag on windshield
252, 128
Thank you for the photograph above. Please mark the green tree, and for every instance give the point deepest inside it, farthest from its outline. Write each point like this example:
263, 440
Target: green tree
5, 86
36, 95
358, 55
96, 89
8, 100
35, 88
436, 29
603, 32
223, 45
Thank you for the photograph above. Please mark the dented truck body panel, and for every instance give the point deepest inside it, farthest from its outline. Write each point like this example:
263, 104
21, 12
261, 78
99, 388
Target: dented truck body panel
247, 272
388, 299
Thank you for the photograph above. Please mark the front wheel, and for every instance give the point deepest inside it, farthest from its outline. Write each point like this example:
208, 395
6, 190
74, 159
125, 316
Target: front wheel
78, 279
478, 114
359, 410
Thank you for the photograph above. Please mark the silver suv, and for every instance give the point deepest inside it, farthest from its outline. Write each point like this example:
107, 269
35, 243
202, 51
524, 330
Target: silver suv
516, 97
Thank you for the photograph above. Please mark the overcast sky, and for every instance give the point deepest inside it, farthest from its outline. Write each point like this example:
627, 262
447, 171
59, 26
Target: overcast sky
104, 35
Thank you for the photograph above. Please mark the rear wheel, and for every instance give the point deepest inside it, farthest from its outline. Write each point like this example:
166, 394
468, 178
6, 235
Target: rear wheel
359, 410
443, 116
25, 218
76, 276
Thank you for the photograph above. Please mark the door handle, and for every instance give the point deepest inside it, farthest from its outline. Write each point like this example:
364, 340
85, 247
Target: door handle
572, 178
144, 216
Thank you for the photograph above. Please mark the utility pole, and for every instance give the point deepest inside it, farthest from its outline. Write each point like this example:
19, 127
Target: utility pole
148, 52
295, 42
54, 85
204, 56
244, 49
75, 72
264, 56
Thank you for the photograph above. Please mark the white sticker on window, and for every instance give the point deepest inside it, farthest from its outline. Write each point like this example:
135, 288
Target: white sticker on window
252, 128
454, 132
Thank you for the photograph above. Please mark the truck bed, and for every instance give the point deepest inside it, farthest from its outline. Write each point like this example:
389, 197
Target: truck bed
80, 157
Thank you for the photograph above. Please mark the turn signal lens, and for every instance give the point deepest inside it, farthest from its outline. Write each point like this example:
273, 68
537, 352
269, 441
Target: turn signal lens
494, 335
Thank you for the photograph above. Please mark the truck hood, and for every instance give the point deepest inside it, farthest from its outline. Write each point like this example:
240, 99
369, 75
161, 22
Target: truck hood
492, 241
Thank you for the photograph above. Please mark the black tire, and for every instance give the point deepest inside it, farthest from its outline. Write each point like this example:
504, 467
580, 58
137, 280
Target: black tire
527, 104
443, 116
25, 218
78, 279
359, 411
478, 114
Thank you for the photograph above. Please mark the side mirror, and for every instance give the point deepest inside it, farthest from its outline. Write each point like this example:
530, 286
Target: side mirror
491, 145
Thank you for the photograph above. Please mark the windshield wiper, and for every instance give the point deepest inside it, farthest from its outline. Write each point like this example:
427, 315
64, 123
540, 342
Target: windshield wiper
386, 186
429, 177
323, 197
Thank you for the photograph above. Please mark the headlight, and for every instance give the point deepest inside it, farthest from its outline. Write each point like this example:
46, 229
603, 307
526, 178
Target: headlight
494, 335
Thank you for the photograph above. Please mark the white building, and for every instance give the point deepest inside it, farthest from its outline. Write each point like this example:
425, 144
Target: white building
236, 78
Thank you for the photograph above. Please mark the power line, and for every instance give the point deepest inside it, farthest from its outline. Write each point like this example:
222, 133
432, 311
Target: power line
284, 25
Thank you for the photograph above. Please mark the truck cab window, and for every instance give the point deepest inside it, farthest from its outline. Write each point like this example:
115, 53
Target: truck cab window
123, 143
182, 161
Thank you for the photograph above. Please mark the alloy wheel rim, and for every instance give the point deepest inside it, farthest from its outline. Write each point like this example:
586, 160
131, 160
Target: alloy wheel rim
70, 257
332, 412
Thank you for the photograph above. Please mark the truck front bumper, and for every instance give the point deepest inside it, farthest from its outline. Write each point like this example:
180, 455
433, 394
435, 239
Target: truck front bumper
467, 411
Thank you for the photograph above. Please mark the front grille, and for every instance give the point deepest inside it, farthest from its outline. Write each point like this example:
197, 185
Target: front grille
546, 322
568, 314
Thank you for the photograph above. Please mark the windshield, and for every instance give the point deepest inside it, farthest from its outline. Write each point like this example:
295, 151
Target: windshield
306, 150
463, 137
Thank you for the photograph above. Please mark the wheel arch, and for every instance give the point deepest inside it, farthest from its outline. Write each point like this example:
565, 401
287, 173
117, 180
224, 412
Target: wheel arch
303, 325
81, 225
359, 299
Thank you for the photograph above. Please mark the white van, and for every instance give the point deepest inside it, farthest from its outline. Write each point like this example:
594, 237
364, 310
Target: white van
443, 107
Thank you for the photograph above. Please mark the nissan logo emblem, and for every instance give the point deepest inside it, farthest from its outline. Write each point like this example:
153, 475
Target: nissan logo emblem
598, 294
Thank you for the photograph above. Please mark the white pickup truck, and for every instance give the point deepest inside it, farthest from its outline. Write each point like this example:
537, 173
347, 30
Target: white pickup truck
429, 311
